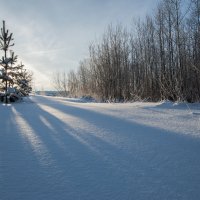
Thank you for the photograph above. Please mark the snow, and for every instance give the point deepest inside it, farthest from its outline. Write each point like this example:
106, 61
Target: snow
58, 148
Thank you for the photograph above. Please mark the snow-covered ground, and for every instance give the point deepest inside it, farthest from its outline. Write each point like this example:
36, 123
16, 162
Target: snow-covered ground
64, 149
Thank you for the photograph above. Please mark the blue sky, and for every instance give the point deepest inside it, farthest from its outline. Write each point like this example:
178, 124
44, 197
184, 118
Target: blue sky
54, 35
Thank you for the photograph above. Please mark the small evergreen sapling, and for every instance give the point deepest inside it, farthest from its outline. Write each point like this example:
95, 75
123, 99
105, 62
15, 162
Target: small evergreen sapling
6, 62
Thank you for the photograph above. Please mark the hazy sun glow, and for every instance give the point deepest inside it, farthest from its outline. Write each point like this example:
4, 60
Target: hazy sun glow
54, 36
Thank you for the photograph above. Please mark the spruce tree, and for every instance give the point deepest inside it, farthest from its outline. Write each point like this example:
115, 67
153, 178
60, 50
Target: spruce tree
6, 62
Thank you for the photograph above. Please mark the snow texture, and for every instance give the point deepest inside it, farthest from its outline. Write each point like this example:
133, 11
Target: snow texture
63, 149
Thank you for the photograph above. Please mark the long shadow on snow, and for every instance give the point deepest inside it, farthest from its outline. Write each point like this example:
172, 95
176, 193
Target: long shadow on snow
130, 160
77, 165
58, 139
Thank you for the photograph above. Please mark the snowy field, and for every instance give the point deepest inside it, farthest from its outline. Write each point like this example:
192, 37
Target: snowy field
65, 149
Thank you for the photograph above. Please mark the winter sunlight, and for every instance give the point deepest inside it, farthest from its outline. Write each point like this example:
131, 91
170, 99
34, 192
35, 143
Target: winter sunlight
75, 150
28, 134
100, 100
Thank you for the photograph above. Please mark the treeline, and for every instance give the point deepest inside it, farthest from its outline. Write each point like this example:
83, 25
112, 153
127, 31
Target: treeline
159, 60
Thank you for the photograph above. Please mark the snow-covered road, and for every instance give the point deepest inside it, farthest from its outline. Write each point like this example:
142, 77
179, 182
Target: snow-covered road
58, 149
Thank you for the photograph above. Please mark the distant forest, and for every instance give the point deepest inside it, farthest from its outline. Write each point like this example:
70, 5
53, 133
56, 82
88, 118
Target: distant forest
158, 59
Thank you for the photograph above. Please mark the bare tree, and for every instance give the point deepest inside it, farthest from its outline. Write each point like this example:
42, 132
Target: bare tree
60, 83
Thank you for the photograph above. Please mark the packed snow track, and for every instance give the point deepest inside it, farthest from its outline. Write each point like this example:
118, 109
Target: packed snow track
62, 149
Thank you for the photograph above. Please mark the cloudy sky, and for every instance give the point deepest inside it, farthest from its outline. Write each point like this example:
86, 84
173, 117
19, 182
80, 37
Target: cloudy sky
54, 35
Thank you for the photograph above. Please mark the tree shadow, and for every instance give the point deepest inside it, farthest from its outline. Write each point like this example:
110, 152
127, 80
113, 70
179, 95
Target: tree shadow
84, 154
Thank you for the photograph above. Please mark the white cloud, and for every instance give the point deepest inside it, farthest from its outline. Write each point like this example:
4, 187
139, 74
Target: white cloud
53, 34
